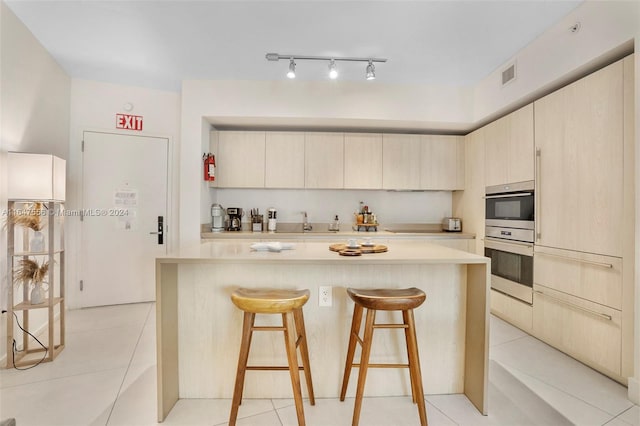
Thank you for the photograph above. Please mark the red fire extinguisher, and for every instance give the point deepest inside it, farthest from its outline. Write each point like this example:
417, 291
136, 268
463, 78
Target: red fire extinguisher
209, 167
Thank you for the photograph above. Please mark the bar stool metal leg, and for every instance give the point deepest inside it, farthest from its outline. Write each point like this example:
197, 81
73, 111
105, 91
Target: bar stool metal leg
353, 339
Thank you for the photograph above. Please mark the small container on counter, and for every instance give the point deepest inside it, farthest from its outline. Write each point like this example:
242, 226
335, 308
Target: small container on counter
257, 223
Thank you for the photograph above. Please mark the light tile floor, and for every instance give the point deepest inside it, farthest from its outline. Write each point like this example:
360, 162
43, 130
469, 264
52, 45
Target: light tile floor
106, 376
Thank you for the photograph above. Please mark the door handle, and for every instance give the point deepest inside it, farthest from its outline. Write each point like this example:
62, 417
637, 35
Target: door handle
160, 231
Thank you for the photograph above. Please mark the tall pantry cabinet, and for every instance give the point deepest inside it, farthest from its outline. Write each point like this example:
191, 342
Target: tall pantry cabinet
584, 255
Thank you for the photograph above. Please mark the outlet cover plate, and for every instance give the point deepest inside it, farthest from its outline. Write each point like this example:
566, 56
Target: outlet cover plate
325, 298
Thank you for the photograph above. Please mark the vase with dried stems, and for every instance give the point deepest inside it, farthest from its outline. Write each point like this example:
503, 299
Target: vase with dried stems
30, 272
30, 217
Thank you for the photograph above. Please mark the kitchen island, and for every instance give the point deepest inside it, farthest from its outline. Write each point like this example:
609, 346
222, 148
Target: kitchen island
199, 329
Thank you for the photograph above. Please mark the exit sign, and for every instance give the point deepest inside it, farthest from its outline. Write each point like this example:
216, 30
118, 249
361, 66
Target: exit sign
129, 122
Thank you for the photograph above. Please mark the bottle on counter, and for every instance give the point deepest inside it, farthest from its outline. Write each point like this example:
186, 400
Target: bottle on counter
335, 226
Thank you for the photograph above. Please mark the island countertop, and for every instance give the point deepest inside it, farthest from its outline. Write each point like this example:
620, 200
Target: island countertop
198, 328
399, 252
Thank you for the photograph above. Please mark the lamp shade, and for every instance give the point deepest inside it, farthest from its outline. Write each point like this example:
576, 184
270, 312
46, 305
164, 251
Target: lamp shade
36, 177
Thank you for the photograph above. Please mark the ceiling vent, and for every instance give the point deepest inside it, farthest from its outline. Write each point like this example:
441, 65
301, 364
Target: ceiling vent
509, 74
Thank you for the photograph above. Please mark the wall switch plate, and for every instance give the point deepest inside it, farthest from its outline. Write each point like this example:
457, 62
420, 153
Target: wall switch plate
325, 298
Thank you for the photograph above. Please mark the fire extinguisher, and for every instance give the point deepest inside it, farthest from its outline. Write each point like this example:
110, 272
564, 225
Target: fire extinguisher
209, 167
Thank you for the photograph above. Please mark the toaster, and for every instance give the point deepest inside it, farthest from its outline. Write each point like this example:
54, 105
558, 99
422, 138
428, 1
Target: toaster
452, 224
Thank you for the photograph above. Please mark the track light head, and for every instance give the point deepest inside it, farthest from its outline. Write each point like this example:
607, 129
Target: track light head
292, 69
371, 71
333, 70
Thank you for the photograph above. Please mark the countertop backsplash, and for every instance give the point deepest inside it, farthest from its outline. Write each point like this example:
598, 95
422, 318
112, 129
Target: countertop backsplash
322, 205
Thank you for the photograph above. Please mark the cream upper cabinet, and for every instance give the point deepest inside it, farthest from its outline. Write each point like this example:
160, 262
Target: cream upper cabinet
401, 161
442, 162
241, 159
324, 160
363, 160
509, 148
284, 167
579, 187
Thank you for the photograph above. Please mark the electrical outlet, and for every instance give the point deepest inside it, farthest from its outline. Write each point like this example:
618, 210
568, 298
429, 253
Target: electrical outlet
325, 297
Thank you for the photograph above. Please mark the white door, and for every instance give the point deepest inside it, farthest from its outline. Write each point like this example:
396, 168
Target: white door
124, 193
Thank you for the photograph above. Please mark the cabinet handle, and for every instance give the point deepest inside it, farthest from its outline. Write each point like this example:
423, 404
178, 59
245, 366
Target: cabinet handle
538, 177
574, 306
588, 262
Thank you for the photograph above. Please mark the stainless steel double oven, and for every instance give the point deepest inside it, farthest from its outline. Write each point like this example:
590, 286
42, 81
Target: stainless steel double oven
509, 238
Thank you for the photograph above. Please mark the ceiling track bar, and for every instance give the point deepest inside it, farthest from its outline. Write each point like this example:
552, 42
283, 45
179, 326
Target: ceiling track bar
277, 57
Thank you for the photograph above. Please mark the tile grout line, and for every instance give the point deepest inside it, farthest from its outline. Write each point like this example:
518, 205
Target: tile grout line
276, 411
617, 417
509, 341
563, 391
133, 354
441, 412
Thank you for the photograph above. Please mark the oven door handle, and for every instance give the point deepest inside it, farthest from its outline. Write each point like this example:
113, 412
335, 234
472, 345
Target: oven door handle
513, 243
519, 194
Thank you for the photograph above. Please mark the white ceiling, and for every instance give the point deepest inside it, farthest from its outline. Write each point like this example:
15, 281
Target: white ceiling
159, 43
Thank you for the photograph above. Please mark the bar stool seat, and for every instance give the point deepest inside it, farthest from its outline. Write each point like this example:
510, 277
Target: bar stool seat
388, 299
405, 300
269, 300
287, 303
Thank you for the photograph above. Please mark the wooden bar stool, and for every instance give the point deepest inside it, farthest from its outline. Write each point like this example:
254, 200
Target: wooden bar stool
289, 304
404, 300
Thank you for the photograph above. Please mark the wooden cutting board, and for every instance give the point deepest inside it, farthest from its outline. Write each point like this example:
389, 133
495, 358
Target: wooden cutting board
343, 250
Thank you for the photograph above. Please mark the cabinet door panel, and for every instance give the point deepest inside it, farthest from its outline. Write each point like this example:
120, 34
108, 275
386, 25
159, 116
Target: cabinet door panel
284, 165
580, 171
324, 160
510, 148
401, 161
439, 165
601, 171
520, 159
496, 156
363, 160
585, 330
513, 311
240, 161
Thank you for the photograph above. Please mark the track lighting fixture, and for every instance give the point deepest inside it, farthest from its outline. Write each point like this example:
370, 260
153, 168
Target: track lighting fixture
333, 68
371, 71
292, 69
333, 71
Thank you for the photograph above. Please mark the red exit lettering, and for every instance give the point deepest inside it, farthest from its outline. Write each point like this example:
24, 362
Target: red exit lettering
129, 122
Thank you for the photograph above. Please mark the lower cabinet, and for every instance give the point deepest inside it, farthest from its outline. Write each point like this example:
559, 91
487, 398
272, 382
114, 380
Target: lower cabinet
585, 330
513, 311
588, 276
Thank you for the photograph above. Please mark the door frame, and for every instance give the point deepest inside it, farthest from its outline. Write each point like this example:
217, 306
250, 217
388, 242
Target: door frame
171, 225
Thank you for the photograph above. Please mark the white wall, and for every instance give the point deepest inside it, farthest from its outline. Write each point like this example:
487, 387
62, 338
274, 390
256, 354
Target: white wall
34, 106
93, 107
558, 54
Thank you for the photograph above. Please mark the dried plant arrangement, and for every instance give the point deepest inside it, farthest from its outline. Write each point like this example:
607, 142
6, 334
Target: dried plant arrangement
30, 270
28, 217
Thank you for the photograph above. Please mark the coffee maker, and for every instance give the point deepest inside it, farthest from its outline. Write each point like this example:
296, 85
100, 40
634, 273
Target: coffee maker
217, 218
235, 218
